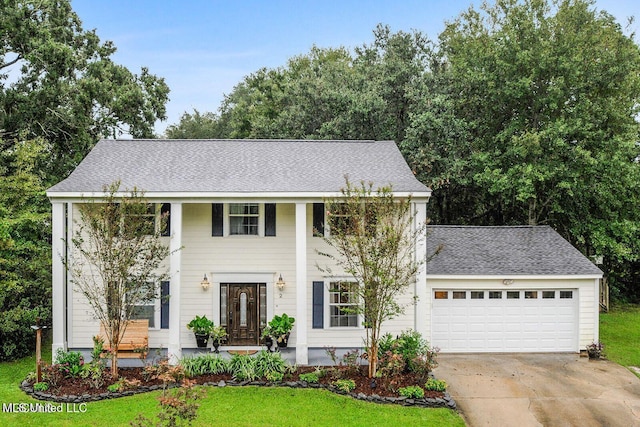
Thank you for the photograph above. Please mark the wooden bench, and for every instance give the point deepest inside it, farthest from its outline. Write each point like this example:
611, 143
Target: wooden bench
135, 339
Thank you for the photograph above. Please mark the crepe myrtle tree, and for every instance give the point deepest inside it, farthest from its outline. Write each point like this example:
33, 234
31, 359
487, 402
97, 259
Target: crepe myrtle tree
117, 259
373, 236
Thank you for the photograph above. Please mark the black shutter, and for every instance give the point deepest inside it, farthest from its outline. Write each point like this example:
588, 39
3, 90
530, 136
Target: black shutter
318, 219
164, 305
165, 212
217, 213
269, 219
318, 305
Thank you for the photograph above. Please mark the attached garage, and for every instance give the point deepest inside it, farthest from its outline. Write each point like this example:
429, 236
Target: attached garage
510, 289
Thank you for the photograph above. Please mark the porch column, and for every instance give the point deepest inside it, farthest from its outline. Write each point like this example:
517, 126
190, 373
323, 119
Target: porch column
302, 349
423, 297
175, 261
58, 276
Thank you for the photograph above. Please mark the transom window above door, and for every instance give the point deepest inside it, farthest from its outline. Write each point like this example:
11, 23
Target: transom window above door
244, 218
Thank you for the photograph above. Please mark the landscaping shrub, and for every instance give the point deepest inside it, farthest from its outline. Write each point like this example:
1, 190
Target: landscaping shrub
243, 367
70, 363
206, 364
414, 353
412, 391
435, 385
311, 377
345, 385
268, 364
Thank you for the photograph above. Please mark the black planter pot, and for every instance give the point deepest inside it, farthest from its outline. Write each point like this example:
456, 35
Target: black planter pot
268, 342
283, 340
202, 340
216, 344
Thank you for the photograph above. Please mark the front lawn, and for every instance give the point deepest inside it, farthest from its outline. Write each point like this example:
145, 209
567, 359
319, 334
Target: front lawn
233, 406
620, 334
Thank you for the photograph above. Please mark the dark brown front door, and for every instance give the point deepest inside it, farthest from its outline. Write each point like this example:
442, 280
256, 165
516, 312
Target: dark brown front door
243, 308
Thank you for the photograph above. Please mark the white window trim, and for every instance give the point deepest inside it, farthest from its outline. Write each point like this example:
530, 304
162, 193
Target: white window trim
226, 226
327, 305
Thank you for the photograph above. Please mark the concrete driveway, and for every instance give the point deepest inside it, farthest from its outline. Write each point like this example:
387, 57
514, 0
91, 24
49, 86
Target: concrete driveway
540, 390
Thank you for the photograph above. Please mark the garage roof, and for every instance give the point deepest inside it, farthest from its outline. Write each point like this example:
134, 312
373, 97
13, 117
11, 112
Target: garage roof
489, 251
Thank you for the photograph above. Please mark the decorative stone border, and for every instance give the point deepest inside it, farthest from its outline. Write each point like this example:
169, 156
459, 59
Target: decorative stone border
439, 402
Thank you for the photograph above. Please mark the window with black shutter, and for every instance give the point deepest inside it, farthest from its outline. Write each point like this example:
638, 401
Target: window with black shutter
217, 219
318, 305
318, 219
164, 305
269, 219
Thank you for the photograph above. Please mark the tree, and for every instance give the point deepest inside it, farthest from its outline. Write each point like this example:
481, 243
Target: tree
117, 260
196, 125
25, 250
327, 93
58, 82
373, 238
546, 95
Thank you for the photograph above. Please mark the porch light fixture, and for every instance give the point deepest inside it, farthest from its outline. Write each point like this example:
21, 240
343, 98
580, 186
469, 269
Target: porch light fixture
205, 283
280, 283
507, 282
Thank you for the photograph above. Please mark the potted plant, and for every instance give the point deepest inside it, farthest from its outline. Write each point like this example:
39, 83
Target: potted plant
268, 338
279, 328
218, 334
201, 327
594, 350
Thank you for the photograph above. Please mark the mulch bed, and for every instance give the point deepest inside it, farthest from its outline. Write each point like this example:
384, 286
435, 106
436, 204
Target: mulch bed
382, 390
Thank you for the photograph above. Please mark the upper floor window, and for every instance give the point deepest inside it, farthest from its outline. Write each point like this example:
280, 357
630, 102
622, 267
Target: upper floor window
244, 219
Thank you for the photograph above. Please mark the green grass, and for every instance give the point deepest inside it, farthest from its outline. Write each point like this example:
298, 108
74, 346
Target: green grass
228, 406
620, 334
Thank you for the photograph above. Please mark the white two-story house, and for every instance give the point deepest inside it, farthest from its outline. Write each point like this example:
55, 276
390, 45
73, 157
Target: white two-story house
248, 215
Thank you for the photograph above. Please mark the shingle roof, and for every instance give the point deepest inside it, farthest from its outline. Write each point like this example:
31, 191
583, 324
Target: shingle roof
488, 251
161, 165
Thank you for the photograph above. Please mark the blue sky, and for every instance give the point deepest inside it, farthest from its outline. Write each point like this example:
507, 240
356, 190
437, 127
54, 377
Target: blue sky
204, 48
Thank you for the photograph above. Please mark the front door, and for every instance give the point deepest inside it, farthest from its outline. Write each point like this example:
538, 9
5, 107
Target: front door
243, 327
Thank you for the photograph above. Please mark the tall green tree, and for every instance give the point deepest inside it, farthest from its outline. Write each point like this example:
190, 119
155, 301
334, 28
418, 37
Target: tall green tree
547, 95
25, 251
327, 93
58, 82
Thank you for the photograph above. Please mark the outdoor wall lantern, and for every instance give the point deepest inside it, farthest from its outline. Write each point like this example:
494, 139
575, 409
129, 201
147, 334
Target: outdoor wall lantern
205, 283
280, 283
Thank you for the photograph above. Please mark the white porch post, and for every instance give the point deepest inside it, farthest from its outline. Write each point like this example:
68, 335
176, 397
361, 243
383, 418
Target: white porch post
423, 297
58, 276
175, 261
302, 349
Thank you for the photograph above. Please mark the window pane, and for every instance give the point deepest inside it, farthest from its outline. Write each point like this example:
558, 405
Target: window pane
531, 294
477, 295
459, 294
513, 294
566, 294
223, 305
243, 309
548, 294
141, 312
495, 294
441, 294
342, 303
243, 225
263, 305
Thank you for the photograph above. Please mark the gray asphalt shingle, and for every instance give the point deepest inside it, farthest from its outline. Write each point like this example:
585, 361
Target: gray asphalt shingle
161, 165
523, 250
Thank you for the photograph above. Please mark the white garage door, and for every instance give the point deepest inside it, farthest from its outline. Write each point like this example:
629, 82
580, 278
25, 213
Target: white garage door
505, 320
